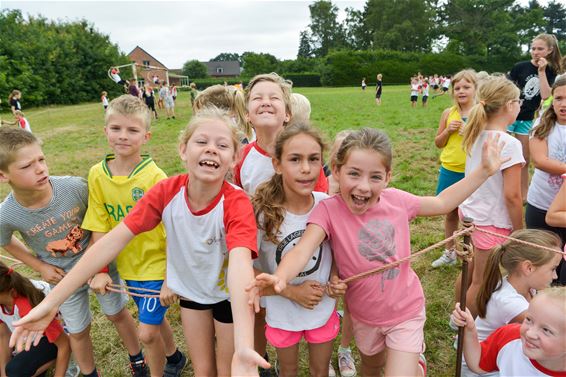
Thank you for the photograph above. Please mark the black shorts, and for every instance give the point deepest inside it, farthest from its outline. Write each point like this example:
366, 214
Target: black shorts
414, 98
444, 89
425, 98
221, 311
435, 87
378, 94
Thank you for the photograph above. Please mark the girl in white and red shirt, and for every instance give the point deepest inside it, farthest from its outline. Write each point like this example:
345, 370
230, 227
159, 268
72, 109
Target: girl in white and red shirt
211, 240
17, 296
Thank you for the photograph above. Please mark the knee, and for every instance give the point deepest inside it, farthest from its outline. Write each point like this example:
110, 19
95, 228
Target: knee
149, 334
79, 336
118, 317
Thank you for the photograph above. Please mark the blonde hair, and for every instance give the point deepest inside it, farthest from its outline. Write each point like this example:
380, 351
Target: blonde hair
470, 76
11, 141
129, 106
365, 138
19, 113
300, 107
493, 94
284, 85
269, 197
549, 117
338, 139
104, 93
227, 98
206, 115
558, 293
554, 58
379, 76
509, 255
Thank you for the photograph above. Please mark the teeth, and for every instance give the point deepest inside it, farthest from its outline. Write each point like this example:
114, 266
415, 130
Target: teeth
209, 163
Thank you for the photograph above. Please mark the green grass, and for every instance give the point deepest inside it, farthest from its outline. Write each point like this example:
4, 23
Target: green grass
74, 141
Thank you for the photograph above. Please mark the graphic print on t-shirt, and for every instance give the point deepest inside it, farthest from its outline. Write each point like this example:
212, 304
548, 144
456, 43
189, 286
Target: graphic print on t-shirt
288, 243
377, 243
532, 87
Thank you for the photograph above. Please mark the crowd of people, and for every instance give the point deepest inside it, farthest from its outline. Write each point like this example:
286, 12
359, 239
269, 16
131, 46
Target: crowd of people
255, 240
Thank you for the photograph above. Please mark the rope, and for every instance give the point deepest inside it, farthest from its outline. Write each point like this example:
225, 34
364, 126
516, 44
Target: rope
126, 291
411, 256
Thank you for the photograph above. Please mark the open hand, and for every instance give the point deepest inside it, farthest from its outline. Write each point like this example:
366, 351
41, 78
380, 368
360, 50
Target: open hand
491, 154
30, 328
261, 282
246, 361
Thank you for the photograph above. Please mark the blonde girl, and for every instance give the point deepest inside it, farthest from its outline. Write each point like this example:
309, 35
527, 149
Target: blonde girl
18, 295
452, 158
534, 78
203, 264
282, 206
505, 298
497, 206
230, 99
536, 347
367, 225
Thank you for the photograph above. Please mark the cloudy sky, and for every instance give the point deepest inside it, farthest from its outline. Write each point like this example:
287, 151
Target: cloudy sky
177, 31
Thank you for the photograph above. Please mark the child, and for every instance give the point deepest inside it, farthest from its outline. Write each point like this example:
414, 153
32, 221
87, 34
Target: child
282, 206
534, 78
415, 88
165, 95
497, 205
368, 226
115, 185
47, 211
162, 92
268, 98
104, 99
174, 92
364, 85
17, 296
230, 99
300, 107
115, 75
14, 100
378, 89
452, 158
149, 100
534, 348
505, 299
193, 92
203, 264
155, 79
20, 121
424, 89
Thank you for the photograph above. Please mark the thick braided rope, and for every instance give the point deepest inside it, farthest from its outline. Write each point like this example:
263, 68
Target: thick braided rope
411, 256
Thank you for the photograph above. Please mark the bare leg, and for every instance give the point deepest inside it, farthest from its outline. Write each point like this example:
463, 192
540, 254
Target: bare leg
480, 262
224, 347
126, 327
198, 328
150, 336
319, 358
81, 345
451, 222
373, 365
288, 359
402, 363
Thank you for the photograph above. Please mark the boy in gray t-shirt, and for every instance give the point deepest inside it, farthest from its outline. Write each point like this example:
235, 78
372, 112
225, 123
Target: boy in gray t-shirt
47, 212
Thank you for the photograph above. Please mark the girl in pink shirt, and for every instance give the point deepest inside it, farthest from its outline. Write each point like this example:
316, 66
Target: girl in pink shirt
367, 225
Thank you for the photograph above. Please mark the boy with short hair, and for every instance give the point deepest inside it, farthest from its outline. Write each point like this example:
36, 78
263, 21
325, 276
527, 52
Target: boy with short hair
47, 212
115, 185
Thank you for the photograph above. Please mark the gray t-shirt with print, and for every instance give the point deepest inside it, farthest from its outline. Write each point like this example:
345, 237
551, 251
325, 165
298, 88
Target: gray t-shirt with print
52, 232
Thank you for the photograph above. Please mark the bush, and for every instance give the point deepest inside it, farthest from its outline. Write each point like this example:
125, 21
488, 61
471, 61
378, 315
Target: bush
307, 79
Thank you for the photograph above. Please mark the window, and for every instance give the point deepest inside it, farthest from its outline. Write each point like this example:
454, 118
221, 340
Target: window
219, 70
146, 63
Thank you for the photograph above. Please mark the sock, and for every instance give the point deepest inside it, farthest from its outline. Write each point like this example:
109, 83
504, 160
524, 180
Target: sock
94, 373
344, 349
174, 358
137, 357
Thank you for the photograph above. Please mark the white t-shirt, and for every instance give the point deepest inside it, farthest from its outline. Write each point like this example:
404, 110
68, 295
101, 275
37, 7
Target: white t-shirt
414, 89
283, 313
197, 242
446, 83
486, 206
544, 187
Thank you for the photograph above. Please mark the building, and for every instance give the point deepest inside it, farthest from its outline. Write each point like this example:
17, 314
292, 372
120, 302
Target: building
147, 67
223, 68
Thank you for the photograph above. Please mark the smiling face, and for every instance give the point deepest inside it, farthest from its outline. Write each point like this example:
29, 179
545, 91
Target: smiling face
300, 164
125, 135
28, 171
209, 152
539, 49
464, 92
559, 104
543, 332
266, 107
361, 179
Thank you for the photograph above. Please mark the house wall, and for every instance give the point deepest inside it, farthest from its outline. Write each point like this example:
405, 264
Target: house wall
138, 56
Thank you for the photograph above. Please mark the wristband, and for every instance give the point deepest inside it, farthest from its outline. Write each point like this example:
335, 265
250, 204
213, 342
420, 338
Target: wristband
563, 176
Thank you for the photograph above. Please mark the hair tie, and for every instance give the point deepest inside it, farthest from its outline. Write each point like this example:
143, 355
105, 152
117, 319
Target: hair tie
9, 271
482, 102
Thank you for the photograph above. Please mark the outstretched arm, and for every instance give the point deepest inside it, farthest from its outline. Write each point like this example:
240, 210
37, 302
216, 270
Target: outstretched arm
100, 254
450, 198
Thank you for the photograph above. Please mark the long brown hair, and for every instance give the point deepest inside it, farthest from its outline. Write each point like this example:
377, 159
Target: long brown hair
548, 119
10, 280
554, 58
269, 197
509, 255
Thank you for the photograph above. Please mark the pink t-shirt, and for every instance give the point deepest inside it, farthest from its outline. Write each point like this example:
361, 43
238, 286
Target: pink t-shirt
373, 239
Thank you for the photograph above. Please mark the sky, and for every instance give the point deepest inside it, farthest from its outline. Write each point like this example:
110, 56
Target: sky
174, 32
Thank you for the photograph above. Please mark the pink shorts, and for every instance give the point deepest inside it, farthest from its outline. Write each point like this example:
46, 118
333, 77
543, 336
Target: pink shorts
406, 336
486, 241
279, 338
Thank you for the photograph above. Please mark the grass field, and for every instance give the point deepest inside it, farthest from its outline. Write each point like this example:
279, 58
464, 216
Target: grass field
74, 141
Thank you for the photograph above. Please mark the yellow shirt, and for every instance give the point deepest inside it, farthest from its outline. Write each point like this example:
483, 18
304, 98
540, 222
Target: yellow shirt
110, 198
453, 157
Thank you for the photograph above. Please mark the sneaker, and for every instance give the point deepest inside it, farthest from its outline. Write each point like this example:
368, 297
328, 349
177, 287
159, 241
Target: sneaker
139, 369
346, 363
422, 363
174, 370
447, 258
72, 369
331, 371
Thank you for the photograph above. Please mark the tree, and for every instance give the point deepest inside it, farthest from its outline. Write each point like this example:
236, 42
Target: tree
227, 57
256, 63
305, 45
357, 35
555, 17
195, 69
326, 31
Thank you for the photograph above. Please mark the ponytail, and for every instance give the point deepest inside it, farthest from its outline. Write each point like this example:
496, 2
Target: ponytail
491, 280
